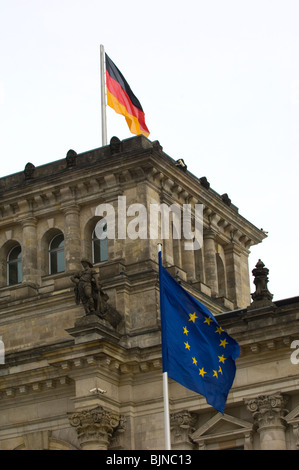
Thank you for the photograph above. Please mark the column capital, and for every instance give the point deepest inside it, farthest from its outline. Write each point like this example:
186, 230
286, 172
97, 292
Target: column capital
29, 221
72, 208
94, 427
232, 249
182, 425
268, 410
209, 233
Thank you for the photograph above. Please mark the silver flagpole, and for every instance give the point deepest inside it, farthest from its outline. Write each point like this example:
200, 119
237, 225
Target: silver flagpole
166, 412
103, 97
165, 398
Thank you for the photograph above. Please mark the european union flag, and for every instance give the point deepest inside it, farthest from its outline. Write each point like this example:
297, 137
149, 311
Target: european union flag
196, 351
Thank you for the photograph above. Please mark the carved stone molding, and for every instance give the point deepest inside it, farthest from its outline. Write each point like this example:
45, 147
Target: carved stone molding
94, 427
268, 410
223, 432
182, 425
293, 421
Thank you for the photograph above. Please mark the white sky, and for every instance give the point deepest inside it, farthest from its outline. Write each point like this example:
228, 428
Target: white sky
218, 81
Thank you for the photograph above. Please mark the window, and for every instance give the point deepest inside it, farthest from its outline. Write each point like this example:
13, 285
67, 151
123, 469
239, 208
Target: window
99, 247
56, 255
14, 266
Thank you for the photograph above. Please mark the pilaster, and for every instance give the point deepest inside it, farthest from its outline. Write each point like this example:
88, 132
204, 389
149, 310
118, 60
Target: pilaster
210, 261
29, 255
233, 273
72, 242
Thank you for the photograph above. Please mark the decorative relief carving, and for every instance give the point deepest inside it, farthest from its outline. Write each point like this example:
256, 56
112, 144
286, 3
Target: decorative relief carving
182, 425
95, 427
268, 410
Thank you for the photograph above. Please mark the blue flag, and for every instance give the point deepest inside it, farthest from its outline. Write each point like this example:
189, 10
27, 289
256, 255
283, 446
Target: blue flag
196, 351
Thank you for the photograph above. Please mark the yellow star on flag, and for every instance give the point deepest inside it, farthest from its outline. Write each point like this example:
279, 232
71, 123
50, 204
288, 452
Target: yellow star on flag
185, 330
194, 361
187, 346
192, 317
219, 330
208, 320
202, 372
215, 374
220, 370
222, 359
223, 342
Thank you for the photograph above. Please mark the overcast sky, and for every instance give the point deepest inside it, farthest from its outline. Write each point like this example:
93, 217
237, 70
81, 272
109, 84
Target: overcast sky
218, 81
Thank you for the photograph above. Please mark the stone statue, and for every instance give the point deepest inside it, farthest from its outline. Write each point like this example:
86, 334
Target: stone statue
88, 290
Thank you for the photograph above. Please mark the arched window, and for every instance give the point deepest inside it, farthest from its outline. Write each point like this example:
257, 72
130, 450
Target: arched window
14, 266
99, 247
56, 254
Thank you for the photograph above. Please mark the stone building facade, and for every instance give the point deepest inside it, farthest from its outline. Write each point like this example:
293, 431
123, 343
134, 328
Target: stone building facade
73, 379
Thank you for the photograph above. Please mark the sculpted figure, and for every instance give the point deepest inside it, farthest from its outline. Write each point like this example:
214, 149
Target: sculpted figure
88, 290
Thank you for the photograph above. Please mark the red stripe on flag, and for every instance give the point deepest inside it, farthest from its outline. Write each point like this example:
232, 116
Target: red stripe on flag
117, 91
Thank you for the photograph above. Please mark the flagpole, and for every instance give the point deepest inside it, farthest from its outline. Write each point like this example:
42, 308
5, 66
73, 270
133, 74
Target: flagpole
103, 97
166, 412
166, 398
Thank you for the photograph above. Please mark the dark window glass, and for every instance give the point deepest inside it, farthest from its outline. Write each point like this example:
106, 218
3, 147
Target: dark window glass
14, 266
56, 255
99, 248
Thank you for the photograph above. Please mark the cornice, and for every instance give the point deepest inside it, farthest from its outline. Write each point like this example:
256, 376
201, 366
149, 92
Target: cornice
101, 176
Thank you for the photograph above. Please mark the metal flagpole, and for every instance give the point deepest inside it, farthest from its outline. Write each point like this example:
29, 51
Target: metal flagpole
165, 398
166, 412
103, 97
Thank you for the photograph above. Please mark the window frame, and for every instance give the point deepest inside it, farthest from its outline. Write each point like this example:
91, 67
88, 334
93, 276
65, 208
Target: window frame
94, 239
55, 251
18, 262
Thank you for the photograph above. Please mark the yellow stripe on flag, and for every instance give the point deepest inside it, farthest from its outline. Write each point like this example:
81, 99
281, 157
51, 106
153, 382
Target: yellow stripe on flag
132, 121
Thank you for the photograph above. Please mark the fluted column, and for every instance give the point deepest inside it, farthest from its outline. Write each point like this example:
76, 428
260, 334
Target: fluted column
94, 427
29, 250
72, 242
268, 413
210, 261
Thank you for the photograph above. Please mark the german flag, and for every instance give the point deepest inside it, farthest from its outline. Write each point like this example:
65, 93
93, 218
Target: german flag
121, 98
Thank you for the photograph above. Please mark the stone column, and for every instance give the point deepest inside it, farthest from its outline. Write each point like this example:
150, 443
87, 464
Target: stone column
188, 263
210, 261
29, 250
233, 273
72, 238
268, 413
94, 427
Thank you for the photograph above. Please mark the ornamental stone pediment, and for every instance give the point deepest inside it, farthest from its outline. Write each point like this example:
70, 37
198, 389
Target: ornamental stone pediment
221, 428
